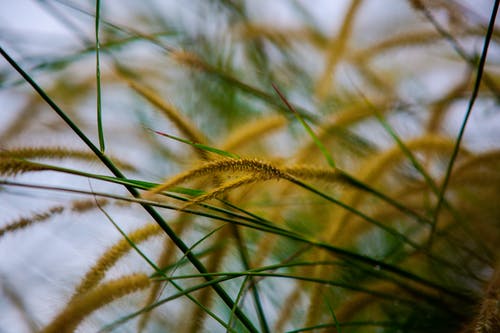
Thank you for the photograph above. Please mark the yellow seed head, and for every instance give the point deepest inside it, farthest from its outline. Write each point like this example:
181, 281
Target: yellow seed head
82, 306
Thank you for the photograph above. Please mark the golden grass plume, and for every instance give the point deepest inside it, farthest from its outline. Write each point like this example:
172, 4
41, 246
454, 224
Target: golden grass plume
83, 305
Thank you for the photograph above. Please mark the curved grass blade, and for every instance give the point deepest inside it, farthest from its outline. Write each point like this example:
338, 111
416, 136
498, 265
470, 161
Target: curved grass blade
238, 299
475, 92
309, 130
253, 285
198, 145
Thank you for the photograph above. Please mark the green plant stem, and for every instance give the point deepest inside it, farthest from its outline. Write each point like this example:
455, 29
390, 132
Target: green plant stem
309, 130
238, 299
334, 317
254, 289
475, 92
100, 129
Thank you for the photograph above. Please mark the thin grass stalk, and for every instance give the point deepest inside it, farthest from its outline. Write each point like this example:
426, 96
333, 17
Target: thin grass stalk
263, 273
374, 168
330, 326
57, 152
331, 162
428, 179
268, 171
332, 312
205, 296
164, 260
309, 130
475, 91
192, 60
100, 129
239, 297
245, 259
204, 299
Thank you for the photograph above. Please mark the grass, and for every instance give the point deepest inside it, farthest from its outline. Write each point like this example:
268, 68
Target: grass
202, 168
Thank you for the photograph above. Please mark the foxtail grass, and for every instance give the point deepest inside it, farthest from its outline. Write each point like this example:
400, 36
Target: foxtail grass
317, 181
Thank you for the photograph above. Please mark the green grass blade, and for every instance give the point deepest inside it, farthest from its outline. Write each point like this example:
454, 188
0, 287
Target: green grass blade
237, 300
198, 242
471, 60
475, 92
131, 243
156, 268
263, 273
332, 313
309, 130
199, 145
365, 187
253, 284
379, 224
100, 129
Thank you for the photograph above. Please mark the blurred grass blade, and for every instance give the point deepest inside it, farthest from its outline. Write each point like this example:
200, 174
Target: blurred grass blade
332, 313
309, 130
199, 145
238, 299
